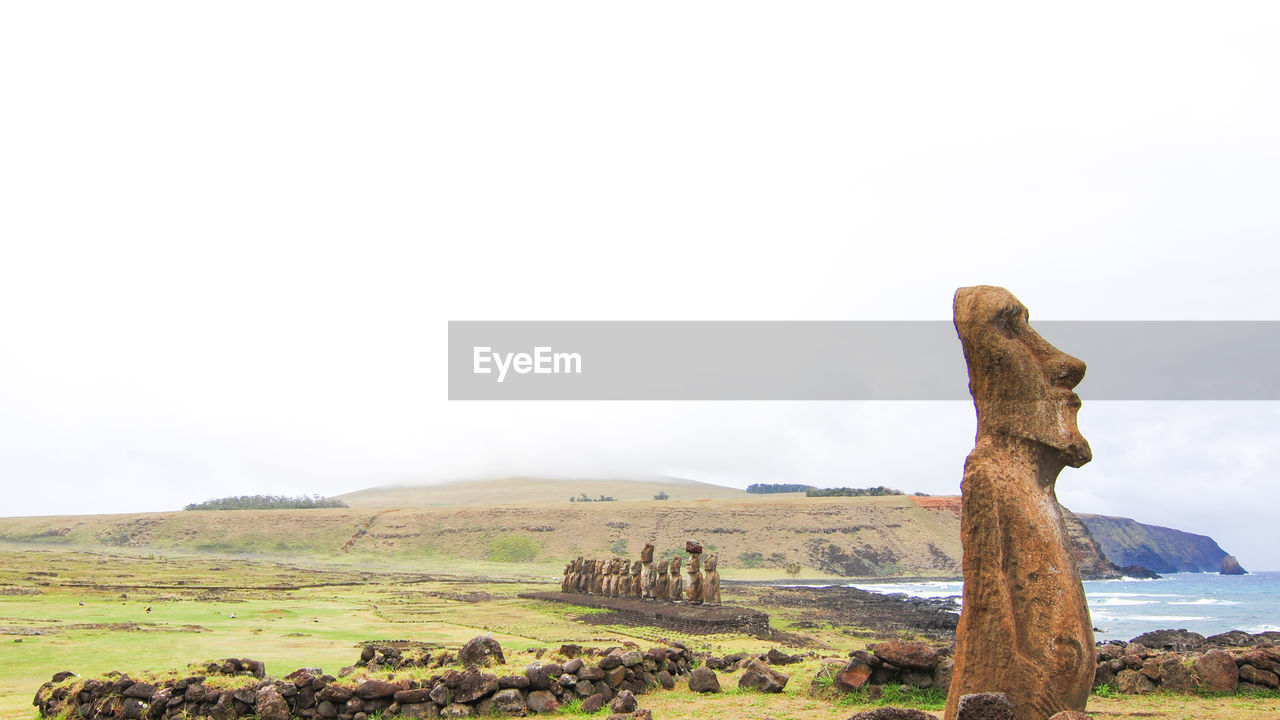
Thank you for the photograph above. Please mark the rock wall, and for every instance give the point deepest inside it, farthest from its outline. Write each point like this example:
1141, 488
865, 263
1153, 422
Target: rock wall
1135, 669
609, 677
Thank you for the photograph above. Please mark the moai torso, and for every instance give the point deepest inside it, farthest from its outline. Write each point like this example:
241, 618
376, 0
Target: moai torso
711, 583
695, 580
635, 590
648, 575
662, 588
677, 584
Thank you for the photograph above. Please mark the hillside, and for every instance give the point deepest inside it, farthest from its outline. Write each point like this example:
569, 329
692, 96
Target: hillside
523, 490
1164, 550
880, 537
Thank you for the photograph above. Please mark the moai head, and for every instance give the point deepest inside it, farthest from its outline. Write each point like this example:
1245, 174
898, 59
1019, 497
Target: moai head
1021, 385
646, 555
662, 568
711, 563
675, 565
636, 567
694, 564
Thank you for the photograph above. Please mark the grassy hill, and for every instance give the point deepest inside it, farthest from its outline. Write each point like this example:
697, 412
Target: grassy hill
525, 490
756, 536
528, 527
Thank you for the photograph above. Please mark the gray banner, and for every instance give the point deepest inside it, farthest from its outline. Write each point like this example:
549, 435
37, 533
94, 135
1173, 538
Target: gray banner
845, 360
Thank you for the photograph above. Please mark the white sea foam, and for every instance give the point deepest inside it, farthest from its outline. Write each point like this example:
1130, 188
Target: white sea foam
1262, 628
1113, 601
1161, 618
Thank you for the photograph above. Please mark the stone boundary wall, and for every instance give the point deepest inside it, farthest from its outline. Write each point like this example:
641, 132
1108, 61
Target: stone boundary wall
1134, 669
611, 677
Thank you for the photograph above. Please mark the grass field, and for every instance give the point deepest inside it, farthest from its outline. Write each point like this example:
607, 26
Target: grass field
293, 615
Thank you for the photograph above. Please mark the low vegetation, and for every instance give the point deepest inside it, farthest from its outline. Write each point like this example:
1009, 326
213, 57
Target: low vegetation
769, 488
267, 502
877, 491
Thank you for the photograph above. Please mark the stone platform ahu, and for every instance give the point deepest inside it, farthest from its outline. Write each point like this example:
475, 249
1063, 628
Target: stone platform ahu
1024, 630
654, 593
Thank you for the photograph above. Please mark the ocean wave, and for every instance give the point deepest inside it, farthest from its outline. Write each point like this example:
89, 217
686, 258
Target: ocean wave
1157, 618
1115, 601
1133, 594
1265, 627
1205, 601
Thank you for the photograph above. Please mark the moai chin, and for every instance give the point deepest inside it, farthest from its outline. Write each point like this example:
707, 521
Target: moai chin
695, 580
711, 583
1024, 630
677, 584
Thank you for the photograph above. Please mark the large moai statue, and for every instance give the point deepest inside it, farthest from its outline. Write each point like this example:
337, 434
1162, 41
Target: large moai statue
621, 577
637, 582
1024, 630
648, 576
598, 583
695, 580
566, 577
662, 587
612, 582
711, 583
677, 585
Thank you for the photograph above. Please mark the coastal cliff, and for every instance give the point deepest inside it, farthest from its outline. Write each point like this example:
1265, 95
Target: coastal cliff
1165, 550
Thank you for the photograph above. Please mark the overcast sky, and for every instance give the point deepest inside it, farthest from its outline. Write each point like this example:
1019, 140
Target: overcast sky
231, 234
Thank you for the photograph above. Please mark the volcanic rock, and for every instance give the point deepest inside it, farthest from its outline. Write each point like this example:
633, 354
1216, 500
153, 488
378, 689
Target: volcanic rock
704, 680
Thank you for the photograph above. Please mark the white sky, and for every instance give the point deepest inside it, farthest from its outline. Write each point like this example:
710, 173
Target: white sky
231, 234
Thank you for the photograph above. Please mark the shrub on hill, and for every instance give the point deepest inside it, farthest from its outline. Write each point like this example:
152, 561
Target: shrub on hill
767, 488
267, 502
877, 491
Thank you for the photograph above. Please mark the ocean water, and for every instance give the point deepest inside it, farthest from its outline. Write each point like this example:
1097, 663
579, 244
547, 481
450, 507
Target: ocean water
1206, 603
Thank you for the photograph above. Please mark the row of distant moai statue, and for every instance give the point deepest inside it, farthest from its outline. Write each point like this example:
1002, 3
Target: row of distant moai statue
644, 579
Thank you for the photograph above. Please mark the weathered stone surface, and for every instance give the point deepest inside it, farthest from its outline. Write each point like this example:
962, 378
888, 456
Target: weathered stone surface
333, 693
1024, 630
458, 710
541, 701
474, 686
1133, 682
908, 655
509, 702
416, 695
420, 711
1070, 715
623, 702
892, 713
854, 675
1175, 675
370, 689
592, 704
140, 690
666, 680
1251, 674
704, 680
759, 676
1217, 671
481, 651
985, 706
270, 705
